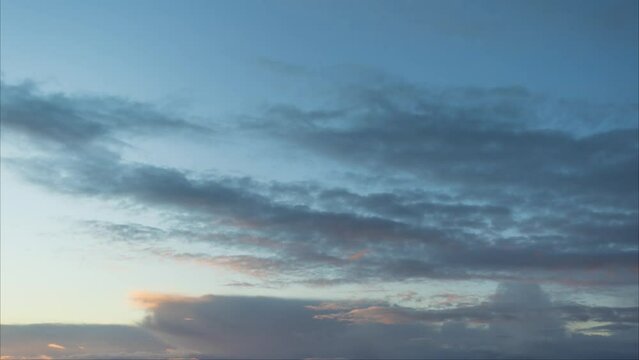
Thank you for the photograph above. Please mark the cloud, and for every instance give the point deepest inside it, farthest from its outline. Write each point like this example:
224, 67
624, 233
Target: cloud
75, 122
521, 303
259, 267
56, 346
358, 255
473, 141
371, 314
493, 194
519, 321
79, 341
151, 300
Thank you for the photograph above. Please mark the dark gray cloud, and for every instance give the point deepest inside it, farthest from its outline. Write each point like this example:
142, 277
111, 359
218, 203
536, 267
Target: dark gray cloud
520, 321
493, 195
78, 121
472, 141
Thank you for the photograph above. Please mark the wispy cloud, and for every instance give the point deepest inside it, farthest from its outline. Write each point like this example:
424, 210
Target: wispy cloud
55, 346
509, 199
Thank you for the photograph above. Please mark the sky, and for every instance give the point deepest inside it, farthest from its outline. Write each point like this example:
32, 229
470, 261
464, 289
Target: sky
319, 179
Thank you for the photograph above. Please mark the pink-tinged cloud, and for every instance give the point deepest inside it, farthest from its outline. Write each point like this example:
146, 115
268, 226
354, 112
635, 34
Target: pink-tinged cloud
55, 346
517, 318
449, 299
150, 300
358, 255
254, 266
343, 305
515, 321
371, 314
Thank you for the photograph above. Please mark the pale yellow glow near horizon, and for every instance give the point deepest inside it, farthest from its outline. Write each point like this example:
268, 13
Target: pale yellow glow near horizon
583, 326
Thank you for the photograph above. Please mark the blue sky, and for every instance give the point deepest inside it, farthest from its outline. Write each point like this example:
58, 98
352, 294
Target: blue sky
159, 48
398, 174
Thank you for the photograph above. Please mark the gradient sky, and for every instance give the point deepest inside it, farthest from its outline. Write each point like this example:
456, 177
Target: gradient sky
365, 179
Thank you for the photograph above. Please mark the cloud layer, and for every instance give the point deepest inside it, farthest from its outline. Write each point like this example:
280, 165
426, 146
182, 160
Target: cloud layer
79, 341
492, 190
520, 320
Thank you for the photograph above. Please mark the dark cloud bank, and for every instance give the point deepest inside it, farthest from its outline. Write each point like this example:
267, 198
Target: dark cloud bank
479, 184
519, 322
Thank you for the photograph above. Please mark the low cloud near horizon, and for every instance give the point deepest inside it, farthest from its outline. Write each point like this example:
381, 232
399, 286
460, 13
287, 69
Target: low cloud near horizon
518, 321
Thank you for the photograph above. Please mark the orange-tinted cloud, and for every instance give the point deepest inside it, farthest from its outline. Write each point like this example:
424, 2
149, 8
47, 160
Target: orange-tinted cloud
151, 300
449, 299
329, 306
371, 314
358, 255
55, 346
258, 267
